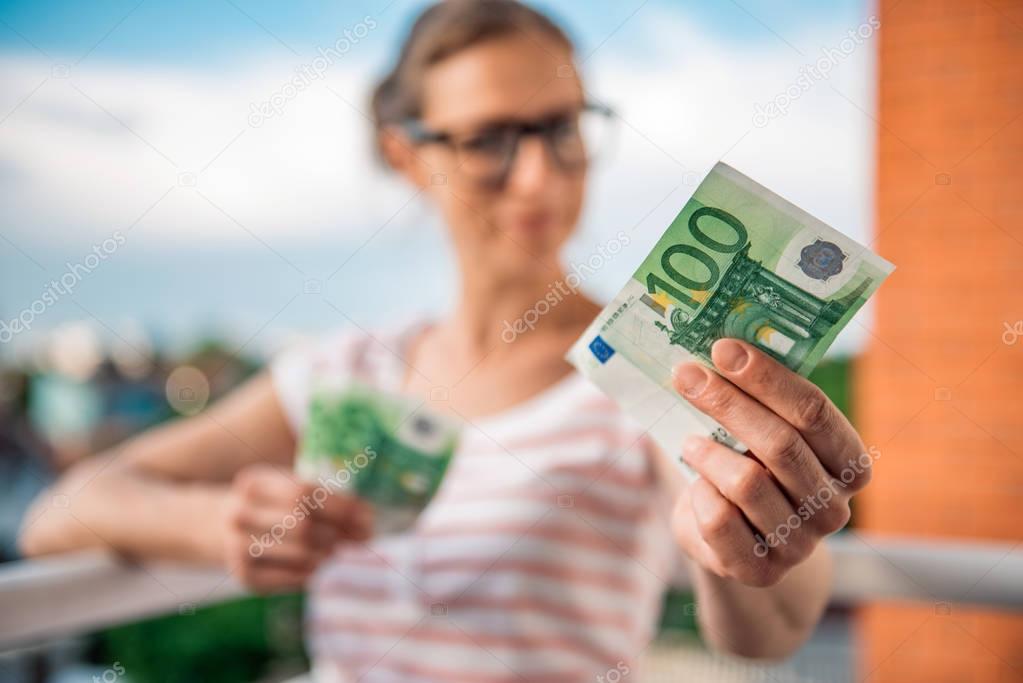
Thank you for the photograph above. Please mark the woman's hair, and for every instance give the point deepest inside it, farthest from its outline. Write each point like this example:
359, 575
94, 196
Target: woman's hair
443, 30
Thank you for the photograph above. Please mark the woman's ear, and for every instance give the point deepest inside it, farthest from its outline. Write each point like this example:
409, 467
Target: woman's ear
400, 154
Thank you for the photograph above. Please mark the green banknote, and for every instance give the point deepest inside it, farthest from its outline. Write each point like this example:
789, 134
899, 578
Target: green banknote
385, 448
738, 261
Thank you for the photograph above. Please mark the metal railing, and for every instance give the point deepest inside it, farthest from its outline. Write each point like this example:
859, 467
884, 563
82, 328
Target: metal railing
60, 596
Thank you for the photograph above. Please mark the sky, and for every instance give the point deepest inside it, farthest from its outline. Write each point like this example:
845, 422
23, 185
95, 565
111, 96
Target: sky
128, 128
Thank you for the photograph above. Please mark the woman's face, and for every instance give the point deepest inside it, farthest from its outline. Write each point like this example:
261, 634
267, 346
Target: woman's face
516, 225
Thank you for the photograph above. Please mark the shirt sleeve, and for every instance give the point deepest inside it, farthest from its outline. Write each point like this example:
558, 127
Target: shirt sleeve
296, 372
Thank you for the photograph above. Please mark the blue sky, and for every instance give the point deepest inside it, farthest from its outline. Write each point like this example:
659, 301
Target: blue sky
203, 33
106, 106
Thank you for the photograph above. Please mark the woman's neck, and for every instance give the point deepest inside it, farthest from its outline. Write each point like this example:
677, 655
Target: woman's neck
491, 311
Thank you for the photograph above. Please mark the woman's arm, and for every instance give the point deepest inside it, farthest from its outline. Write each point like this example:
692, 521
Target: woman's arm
160, 494
763, 623
210, 488
753, 524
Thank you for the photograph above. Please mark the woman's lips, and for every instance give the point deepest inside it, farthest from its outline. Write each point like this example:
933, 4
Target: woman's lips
532, 225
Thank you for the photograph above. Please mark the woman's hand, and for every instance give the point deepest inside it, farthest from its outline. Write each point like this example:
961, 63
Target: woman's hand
279, 528
753, 519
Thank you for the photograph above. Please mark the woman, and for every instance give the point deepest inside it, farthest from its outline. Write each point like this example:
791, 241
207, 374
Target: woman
545, 554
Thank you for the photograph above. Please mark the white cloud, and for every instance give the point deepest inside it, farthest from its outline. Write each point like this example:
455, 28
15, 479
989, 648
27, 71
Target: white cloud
696, 103
71, 174
74, 169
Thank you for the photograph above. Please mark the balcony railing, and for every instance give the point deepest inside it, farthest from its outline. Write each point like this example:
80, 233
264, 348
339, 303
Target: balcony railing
51, 598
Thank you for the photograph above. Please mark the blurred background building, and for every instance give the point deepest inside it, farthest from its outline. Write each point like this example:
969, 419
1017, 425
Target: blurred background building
937, 389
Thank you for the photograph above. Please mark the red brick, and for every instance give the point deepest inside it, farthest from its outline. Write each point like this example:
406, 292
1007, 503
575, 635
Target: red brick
938, 391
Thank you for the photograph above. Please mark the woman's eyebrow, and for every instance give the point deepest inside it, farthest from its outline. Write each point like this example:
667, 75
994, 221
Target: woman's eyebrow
505, 121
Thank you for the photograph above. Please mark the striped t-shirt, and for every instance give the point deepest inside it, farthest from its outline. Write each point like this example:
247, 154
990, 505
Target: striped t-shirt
543, 557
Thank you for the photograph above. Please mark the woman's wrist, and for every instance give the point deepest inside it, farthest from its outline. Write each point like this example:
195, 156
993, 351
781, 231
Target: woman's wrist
205, 527
767, 622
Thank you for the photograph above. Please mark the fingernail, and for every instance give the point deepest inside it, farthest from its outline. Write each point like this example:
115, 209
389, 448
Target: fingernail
729, 355
690, 378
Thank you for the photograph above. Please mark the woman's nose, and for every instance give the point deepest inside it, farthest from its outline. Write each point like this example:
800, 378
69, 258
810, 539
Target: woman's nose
532, 167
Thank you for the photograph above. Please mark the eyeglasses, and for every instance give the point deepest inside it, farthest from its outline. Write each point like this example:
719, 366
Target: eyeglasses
574, 140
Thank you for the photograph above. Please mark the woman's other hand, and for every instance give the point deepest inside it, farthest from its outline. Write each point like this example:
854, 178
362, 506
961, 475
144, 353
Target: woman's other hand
279, 528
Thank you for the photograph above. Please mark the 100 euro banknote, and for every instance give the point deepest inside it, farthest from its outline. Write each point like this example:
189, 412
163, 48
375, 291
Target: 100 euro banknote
385, 448
738, 261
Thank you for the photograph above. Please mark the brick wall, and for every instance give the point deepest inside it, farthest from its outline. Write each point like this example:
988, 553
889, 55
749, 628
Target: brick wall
939, 391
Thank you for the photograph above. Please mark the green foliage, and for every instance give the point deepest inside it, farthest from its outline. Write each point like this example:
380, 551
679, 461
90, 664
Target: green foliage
833, 377
679, 612
234, 642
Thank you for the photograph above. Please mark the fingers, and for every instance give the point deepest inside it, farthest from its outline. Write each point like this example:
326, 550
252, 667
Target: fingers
726, 543
265, 528
774, 442
346, 512
258, 534
279, 529
269, 577
746, 484
798, 402
263, 567
754, 518
268, 485
289, 501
